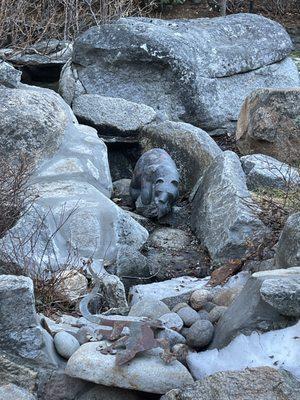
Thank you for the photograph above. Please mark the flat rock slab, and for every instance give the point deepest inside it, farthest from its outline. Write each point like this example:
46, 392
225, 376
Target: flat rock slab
112, 115
171, 292
144, 373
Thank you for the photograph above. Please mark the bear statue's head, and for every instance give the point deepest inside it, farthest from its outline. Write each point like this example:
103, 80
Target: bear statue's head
165, 195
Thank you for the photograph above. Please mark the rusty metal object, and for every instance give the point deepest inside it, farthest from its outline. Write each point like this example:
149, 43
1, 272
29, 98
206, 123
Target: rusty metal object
139, 338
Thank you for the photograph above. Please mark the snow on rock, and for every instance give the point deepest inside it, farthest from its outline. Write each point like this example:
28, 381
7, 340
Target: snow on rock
277, 349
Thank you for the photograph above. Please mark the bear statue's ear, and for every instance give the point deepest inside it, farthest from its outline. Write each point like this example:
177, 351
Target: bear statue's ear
175, 183
159, 180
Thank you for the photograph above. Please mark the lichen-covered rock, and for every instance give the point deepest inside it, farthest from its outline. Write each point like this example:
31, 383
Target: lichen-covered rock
269, 123
288, 248
31, 122
223, 213
283, 295
252, 384
199, 298
194, 70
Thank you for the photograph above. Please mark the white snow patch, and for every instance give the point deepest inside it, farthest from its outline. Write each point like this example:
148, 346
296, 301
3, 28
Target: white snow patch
278, 349
144, 47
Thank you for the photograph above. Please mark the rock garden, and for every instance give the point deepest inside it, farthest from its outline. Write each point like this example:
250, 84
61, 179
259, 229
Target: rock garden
150, 213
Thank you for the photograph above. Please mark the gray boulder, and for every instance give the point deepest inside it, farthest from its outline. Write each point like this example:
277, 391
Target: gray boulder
252, 384
264, 171
20, 332
145, 373
112, 116
31, 122
194, 70
9, 76
288, 247
13, 392
269, 124
200, 334
251, 312
191, 148
283, 295
46, 53
223, 213
72, 180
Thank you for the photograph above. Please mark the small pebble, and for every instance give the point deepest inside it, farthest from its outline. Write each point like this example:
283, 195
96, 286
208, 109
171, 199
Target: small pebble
208, 306
149, 308
203, 315
172, 321
200, 334
199, 298
226, 297
216, 313
65, 344
179, 306
188, 315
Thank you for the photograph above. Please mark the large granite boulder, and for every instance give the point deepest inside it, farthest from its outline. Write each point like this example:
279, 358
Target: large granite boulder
223, 214
147, 373
288, 247
72, 213
269, 123
264, 171
197, 71
191, 148
258, 308
252, 384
